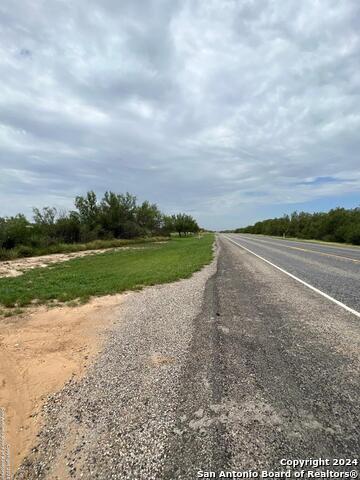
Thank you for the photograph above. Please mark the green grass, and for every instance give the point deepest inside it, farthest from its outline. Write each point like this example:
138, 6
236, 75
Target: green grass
108, 273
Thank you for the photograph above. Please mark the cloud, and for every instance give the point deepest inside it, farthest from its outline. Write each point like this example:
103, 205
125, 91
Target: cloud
217, 108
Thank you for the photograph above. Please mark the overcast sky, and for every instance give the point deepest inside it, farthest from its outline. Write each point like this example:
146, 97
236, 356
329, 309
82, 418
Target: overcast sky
232, 111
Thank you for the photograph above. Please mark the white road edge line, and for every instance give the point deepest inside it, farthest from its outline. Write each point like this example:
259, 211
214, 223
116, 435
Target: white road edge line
345, 307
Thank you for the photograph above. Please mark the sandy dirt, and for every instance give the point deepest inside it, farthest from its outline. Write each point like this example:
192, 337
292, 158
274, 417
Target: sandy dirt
14, 268
39, 352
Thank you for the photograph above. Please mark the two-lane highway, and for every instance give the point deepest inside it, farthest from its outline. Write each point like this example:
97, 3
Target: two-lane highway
236, 369
273, 370
334, 270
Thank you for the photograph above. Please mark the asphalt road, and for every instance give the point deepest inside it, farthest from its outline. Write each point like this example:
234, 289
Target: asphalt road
234, 369
282, 365
333, 270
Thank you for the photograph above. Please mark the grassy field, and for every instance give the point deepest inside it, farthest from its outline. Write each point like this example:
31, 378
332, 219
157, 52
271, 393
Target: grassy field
108, 273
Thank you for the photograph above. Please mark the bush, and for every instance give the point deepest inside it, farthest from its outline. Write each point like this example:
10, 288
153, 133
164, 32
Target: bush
24, 251
353, 235
7, 254
14, 231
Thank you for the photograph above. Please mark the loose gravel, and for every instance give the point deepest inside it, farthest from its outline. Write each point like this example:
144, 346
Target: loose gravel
117, 421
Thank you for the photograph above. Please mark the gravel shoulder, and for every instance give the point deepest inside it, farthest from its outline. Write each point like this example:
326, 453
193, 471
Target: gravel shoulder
233, 369
118, 420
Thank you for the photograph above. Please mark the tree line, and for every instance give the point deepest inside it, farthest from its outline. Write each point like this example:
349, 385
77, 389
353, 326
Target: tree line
114, 216
338, 225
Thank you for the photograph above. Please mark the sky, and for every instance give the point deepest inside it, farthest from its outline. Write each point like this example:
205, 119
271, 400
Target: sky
231, 111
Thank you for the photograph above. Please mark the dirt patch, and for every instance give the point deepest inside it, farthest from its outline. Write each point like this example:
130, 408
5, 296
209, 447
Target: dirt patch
14, 268
39, 353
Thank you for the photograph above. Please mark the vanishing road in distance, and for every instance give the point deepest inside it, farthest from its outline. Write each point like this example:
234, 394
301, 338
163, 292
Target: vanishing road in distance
274, 370
335, 270
240, 367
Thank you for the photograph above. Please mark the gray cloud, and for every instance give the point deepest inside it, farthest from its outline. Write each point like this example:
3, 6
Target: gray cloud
219, 108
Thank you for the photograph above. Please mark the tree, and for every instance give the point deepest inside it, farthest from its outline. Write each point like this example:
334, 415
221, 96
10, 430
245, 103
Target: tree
149, 217
185, 224
46, 216
68, 227
117, 215
14, 231
88, 208
167, 224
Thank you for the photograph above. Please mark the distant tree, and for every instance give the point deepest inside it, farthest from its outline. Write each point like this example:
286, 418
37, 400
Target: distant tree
117, 214
46, 216
88, 208
167, 224
14, 231
68, 227
149, 217
44, 231
185, 224
338, 225
352, 234
114, 216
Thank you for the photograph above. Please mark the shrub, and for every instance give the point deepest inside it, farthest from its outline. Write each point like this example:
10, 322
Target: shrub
24, 251
6, 254
14, 231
